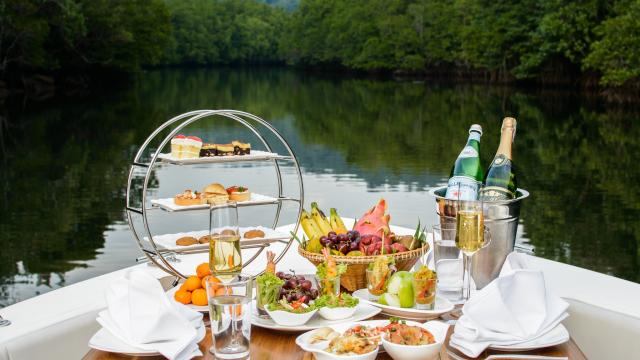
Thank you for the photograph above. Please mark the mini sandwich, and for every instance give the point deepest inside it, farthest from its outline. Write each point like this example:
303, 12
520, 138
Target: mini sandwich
215, 194
238, 193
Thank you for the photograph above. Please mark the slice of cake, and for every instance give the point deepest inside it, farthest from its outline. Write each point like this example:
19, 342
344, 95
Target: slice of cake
192, 147
224, 149
177, 146
240, 148
208, 150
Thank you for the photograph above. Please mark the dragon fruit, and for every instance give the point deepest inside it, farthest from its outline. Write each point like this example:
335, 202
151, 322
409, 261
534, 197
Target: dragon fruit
375, 222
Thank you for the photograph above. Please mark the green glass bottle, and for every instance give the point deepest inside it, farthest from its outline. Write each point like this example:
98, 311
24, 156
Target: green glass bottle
500, 182
466, 174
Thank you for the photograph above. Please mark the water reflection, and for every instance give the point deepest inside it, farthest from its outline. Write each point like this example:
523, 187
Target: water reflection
64, 166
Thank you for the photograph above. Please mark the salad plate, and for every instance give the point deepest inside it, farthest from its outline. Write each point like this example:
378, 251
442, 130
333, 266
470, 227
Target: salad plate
363, 312
442, 306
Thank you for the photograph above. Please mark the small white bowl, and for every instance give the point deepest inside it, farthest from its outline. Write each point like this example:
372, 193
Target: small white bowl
286, 318
320, 354
419, 352
337, 313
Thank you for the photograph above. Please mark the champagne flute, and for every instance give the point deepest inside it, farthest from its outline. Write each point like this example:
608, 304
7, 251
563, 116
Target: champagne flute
470, 237
225, 257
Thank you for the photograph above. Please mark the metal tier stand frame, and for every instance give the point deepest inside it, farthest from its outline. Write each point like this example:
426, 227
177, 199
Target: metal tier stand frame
157, 255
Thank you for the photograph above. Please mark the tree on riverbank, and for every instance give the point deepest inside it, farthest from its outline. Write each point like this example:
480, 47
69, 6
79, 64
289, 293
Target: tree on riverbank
544, 41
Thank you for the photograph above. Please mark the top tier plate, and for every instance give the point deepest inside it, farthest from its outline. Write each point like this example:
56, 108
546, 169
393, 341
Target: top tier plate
255, 155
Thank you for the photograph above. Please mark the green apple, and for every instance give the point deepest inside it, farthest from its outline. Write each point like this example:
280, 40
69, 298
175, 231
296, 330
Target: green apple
389, 299
401, 285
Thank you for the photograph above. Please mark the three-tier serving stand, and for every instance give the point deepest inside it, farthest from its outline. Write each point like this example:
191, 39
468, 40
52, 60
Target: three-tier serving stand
150, 156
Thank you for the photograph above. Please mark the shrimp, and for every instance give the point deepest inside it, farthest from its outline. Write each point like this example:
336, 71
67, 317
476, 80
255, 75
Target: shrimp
332, 268
271, 265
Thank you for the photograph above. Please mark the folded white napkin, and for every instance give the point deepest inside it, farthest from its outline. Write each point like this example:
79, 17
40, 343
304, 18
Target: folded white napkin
140, 314
513, 309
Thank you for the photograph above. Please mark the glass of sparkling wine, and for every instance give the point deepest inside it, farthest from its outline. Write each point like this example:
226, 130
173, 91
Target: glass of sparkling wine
225, 258
230, 315
470, 237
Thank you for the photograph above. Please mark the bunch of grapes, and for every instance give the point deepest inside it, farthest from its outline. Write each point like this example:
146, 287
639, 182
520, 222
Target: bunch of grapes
296, 288
349, 241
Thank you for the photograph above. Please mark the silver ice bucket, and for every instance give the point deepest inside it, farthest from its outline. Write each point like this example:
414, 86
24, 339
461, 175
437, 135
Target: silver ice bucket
501, 218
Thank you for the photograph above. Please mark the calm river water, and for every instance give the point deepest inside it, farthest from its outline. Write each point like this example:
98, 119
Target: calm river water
64, 166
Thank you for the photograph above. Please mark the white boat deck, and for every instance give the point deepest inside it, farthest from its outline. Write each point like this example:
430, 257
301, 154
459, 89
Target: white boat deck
604, 321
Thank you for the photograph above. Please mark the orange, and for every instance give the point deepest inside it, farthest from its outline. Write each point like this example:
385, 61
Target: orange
199, 297
214, 282
192, 283
203, 270
220, 291
183, 296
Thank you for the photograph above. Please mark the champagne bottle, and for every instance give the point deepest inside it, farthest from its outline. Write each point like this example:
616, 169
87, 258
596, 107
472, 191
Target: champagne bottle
500, 181
467, 174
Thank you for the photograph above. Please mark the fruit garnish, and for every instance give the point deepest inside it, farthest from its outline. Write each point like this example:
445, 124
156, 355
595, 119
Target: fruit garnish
194, 138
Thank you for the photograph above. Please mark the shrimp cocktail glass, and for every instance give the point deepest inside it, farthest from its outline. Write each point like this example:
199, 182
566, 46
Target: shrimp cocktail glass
328, 274
268, 286
378, 274
225, 258
424, 288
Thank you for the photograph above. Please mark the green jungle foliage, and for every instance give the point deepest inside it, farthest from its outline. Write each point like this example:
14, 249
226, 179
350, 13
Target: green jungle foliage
499, 40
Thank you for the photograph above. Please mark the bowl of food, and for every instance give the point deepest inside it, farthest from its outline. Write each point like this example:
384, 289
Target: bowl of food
414, 341
296, 313
339, 307
329, 344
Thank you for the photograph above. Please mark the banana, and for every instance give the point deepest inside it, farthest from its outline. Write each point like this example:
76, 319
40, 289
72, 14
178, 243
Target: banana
309, 226
336, 222
318, 216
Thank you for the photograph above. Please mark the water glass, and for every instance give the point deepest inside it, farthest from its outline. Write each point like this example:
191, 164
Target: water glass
230, 315
447, 259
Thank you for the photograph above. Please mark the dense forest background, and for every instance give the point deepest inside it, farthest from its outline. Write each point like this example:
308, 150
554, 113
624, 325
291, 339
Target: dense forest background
590, 43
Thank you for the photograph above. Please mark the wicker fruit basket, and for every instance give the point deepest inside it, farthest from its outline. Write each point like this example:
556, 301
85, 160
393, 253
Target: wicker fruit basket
356, 278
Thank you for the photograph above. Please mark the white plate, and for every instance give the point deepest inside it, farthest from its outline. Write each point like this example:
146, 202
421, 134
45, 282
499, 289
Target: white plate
169, 205
442, 306
302, 342
103, 340
556, 336
170, 292
254, 155
168, 241
363, 311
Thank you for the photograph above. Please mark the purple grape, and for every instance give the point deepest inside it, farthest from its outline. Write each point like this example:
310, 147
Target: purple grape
306, 285
290, 298
354, 246
343, 248
287, 276
291, 283
353, 234
342, 238
331, 233
324, 241
333, 238
300, 278
314, 293
280, 274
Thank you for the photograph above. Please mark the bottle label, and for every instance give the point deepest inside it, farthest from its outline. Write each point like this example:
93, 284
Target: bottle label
500, 160
468, 152
495, 193
462, 188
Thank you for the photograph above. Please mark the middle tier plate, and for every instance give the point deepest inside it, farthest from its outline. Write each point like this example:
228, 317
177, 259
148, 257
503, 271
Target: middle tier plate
168, 241
256, 199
